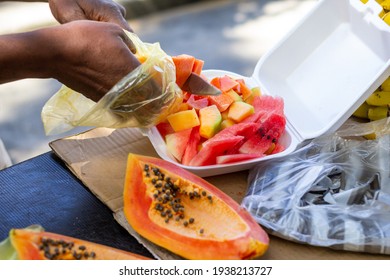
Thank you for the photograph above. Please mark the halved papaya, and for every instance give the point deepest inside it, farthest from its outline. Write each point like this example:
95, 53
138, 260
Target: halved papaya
185, 214
33, 243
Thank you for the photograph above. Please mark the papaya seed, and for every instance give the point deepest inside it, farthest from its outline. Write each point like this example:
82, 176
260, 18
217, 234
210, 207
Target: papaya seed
201, 231
191, 220
185, 223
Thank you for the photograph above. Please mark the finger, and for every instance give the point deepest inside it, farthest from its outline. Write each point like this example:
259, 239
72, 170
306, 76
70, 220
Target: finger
128, 42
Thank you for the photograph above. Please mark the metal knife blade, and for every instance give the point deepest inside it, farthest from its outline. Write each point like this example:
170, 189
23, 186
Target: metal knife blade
195, 84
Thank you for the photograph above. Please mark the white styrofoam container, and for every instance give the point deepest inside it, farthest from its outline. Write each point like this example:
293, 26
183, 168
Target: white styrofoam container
324, 68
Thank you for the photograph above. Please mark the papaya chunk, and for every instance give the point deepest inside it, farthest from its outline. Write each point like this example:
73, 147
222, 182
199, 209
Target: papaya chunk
186, 215
184, 64
34, 243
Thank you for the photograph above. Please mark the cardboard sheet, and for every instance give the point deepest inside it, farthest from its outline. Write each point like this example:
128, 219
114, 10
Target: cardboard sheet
98, 158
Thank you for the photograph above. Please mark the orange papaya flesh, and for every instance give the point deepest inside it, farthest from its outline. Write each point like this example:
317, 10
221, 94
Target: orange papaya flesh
184, 64
32, 244
186, 215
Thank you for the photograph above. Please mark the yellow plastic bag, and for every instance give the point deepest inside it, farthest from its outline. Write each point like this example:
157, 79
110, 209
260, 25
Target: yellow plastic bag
141, 99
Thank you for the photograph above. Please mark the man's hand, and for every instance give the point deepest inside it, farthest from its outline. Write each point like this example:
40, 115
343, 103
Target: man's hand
88, 56
93, 56
99, 10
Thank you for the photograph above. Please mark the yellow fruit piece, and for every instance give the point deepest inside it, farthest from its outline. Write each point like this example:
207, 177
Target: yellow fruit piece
224, 114
377, 113
386, 18
210, 121
255, 92
386, 85
226, 123
364, 1
362, 111
385, 4
183, 120
184, 107
379, 98
234, 95
240, 110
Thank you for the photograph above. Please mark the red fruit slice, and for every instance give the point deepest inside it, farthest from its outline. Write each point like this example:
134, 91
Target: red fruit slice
208, 154
177, 142
235, 158
164, 128
267, 133
264, 106
192, 146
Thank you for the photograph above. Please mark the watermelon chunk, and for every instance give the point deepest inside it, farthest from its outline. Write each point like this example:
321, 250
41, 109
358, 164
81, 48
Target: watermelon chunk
177, 142
265, 105
192, 146
235, 158
268, 133
208, 154
164, 128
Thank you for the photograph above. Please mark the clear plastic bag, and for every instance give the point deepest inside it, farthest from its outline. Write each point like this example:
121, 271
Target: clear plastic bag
333, 191
141, 99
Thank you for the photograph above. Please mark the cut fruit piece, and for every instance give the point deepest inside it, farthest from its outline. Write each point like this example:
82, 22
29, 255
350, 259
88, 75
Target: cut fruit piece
240, 110
210, 121
208, 154
177, 142
34, 243
202, 222
235, 158
164, 128
234, 95
222, 101
197, 103
268, 133
183, 120
243, 89
192, 146
255, 93
227, 123
198, 66
227, 83
184, 64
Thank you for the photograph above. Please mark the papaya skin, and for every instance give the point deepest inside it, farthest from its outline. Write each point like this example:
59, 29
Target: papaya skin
230, 233
36, 244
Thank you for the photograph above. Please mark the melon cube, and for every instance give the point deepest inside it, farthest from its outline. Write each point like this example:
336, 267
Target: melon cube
183, 120
227, 123
234, 95
240, 110
255, 92
224, 114
210, 121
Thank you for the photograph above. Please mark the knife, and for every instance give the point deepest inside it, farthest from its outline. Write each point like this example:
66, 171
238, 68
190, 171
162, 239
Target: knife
195, 84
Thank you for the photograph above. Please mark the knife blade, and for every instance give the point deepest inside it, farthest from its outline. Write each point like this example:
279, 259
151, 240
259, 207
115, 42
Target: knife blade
195, 84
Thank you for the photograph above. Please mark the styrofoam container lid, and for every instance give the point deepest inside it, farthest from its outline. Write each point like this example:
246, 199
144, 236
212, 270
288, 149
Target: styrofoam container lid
324, 69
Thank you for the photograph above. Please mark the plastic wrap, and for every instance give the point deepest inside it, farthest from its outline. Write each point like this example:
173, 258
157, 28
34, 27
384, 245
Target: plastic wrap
333, 191
141, 99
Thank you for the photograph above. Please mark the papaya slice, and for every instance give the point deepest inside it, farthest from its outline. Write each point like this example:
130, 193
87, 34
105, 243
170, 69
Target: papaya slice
33, 243
186, 215
184, 64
